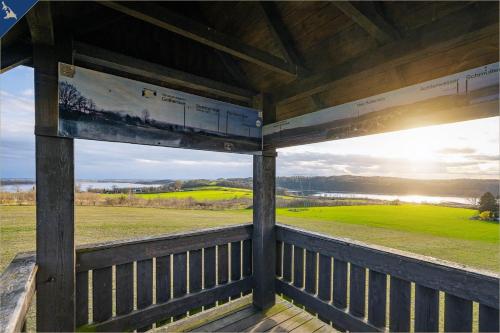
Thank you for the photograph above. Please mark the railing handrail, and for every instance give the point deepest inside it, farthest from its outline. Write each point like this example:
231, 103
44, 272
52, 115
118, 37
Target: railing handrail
17, 286
118, 252
465, 282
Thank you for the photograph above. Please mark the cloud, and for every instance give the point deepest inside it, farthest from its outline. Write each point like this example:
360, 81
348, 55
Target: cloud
456, 151
326, 164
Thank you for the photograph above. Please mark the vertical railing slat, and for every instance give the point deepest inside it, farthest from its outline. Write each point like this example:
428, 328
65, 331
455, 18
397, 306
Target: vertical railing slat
324, 278
209, 269
195, 274
377, 294
82, 298
311, 272
124, 288
235, 264
298, 267
457, 314
179, 284
162, 283
488, 319
287, 262
247, 257
102, 294
162, 279
222, 266
279, 259
357, 290
426, 309
340, 283
400, 305
144, 287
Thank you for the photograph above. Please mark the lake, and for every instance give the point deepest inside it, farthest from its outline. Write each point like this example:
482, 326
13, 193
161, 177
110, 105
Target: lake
412, 198
84, 186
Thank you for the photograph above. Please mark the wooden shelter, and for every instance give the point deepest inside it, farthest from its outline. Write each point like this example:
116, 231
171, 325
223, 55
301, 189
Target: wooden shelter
316, 71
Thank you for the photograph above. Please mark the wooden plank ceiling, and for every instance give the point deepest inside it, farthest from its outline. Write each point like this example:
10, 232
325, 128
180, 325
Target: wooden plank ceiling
306, 55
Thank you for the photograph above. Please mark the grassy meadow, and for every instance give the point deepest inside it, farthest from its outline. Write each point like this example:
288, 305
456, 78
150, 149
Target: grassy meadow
442, 232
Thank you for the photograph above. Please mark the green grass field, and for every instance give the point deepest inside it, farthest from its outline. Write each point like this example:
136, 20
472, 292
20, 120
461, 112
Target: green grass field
442, 232
203, 193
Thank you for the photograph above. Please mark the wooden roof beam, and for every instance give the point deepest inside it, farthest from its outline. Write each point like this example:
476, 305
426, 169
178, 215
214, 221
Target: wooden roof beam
97, 56
285, 42
281, 35
431, 39
168, 20
370, 21
15, 55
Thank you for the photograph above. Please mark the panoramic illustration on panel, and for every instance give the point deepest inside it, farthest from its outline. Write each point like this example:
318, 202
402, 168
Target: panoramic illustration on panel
100, 106
464, 95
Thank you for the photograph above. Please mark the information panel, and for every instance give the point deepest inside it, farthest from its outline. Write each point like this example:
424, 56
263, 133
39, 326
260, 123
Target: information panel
462, 96
99, 106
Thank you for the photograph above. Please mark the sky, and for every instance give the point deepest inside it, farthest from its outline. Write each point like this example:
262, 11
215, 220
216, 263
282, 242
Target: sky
460, 150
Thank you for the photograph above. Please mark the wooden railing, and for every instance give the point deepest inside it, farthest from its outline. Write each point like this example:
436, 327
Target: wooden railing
17, 286
357, 287
140, 283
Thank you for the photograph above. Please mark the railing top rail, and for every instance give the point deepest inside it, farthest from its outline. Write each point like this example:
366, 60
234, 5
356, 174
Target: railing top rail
125, 251
469, 283
17, 286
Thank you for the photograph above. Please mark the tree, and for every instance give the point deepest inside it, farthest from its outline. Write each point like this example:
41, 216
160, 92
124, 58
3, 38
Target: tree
487, 202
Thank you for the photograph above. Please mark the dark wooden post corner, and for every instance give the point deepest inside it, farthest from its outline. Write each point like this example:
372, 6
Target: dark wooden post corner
264, 218
55, 249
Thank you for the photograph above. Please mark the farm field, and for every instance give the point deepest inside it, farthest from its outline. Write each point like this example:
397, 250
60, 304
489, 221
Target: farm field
442, 232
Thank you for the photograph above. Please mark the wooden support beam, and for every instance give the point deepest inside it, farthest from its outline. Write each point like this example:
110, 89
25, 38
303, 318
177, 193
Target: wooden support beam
168, 20
93, 55
370, 21
55, 249
285, 42
15, 55
432, 39
281, 35
264, 220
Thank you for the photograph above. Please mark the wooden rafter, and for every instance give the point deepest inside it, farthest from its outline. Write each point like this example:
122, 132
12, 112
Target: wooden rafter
431, 39
371, 22
168, 20
15, 55
122, 63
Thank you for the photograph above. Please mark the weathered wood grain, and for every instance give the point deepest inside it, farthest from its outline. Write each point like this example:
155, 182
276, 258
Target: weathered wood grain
82, 299
163, 279
357, 290
279, 259
311, 269
124, 288
144, 288
340, 283
457, 314
120, 252
166, 19
173, 307
298, 267
426, 309
209, 270
102, 294
488, 319
223, 266
377, 291
287, 262
247, 258
400, 305
468, 283
325, 277
264, 221
324, 309
179, 274
17, 287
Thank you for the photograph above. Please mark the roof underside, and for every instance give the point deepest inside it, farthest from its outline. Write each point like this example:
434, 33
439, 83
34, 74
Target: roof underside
306, 55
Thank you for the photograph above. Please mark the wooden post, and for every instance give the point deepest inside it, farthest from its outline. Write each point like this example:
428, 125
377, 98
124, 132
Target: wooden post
264, 217
55, 249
